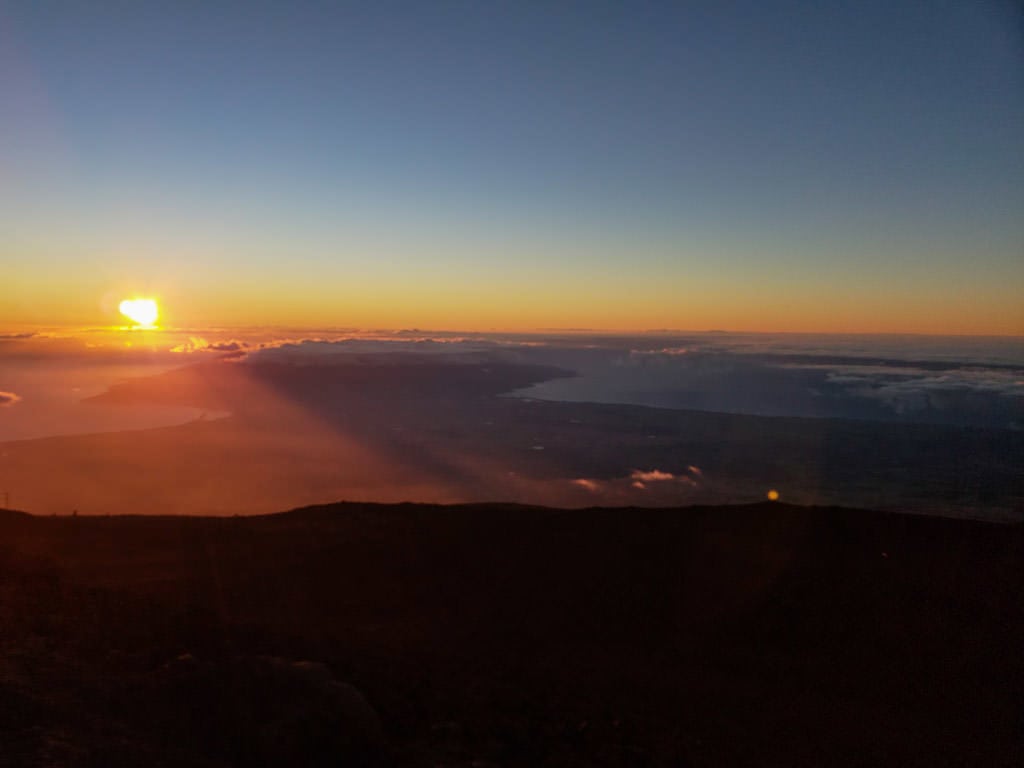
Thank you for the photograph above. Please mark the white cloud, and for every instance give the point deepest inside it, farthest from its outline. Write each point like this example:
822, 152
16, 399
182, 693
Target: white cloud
651, 476
8, 398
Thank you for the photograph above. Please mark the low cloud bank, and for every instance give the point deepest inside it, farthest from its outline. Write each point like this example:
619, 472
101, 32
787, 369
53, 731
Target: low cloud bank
199, 344
642, 480
966, 382
964, 392
309, 350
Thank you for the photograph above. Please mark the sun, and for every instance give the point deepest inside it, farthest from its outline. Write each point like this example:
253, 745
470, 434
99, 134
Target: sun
142, 312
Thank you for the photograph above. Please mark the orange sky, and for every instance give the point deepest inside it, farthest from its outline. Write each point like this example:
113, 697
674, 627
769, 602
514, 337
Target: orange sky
518, 302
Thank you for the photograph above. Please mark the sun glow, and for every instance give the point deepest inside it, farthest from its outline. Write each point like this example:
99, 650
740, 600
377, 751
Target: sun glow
142, 312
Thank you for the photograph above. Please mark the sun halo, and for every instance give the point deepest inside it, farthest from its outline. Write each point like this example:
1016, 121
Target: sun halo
142, 312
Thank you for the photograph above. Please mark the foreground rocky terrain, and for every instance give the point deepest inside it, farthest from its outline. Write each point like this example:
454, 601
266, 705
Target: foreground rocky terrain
501, 635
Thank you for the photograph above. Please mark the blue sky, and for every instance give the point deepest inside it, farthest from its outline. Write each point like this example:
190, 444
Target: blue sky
845, 151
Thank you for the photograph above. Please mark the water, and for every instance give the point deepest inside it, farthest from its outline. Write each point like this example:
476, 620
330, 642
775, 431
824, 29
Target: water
51, 400
944, 380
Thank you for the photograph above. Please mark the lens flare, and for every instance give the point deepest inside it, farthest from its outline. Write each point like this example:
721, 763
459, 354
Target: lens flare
142, 312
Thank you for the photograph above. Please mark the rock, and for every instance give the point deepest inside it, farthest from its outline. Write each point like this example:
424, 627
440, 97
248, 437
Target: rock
263, 711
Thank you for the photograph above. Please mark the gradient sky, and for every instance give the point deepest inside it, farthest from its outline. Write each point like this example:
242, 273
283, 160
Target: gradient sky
803, 166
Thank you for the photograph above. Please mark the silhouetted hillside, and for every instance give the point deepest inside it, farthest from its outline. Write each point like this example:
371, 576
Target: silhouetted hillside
767, 635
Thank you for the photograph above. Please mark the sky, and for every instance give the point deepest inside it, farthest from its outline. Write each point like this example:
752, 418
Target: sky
785, 166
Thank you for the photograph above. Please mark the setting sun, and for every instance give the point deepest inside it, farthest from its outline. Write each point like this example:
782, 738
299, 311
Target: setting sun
142, 312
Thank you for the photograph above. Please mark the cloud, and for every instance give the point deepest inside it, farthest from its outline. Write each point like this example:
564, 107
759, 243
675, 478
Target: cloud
968, 396
199, 344
653, 475
228, 346
8, 398
590, 485
350, 348
875, 378
193, 344
669, 351
641, 478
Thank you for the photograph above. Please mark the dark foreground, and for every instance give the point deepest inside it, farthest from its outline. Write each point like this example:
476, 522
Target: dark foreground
765, 635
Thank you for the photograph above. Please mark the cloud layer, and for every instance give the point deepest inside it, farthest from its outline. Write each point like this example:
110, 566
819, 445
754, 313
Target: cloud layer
975, 382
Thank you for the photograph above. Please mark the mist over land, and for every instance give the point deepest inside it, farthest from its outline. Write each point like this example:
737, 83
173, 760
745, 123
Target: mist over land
910, 424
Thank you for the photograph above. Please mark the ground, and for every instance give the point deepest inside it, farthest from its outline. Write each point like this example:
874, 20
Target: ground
486, 635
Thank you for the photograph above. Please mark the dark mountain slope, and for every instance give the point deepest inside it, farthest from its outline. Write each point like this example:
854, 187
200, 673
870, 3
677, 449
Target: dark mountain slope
508, 635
